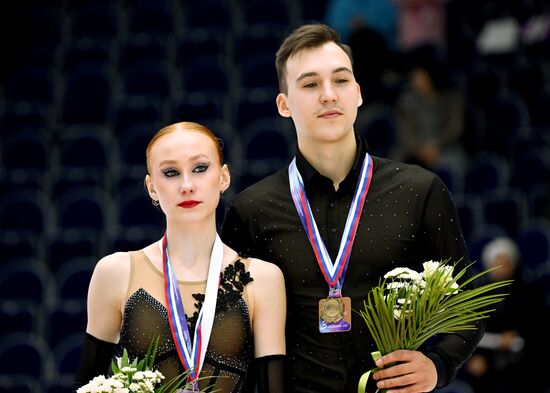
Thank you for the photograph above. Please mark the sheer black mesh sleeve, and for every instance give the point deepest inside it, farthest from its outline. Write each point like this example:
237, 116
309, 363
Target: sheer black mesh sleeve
95, 359
270, 373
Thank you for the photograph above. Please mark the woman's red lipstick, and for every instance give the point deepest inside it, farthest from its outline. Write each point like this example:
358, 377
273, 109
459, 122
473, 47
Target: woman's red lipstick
188, 204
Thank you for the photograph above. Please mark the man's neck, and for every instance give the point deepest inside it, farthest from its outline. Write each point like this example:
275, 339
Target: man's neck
333, 160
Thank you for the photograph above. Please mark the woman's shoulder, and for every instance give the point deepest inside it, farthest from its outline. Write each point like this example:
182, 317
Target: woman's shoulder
113, 266
263, 271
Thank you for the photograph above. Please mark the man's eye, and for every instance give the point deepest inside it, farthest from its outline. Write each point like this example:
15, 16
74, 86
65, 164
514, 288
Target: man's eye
310, 84
200, 168
170, 172
342, 80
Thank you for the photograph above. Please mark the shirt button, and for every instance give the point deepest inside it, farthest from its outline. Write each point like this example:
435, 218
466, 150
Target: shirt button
333, 230
331, 204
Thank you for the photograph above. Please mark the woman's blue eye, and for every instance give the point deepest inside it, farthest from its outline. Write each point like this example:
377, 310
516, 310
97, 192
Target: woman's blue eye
170, 172
200, 168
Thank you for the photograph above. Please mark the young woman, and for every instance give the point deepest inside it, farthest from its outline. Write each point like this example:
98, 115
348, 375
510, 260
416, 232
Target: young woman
215, 312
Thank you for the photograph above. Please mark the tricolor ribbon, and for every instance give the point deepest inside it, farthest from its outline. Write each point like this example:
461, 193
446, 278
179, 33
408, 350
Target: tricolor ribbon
192, 352
334, 273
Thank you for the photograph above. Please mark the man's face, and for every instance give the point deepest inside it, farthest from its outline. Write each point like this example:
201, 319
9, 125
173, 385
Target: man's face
322, 96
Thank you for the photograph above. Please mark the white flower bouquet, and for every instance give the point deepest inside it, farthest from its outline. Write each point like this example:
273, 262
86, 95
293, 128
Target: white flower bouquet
409, 307
135, 377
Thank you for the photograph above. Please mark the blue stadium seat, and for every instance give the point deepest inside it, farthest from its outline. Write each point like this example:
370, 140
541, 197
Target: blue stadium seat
96, 21
470, 213
378, 123
150, 80
210, 16
84, 208
26, 281
269, 14
485, 173
66, 320
85, 153
28, 212
506, 208
16, 384
252, 41
33, 84
18, 244
83, 52
18, 318
143, 49
132, 199
531, 168
94, 105
533, 240
26, 156
253, 108
136, 111
507, 118
207, 74
67, 245
73, 280
258, 73
198, 106
67, 356
26, 355
480, 236
153, 18
201, 42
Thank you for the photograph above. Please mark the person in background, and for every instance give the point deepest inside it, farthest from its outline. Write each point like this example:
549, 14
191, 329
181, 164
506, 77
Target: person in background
335, 220
516, 332
186, 276
430, 115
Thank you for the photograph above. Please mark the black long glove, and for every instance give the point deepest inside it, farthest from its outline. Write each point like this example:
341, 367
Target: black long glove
270, 374
95, 359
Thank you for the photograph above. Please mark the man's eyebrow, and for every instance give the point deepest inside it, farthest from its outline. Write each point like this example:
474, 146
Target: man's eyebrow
312, 73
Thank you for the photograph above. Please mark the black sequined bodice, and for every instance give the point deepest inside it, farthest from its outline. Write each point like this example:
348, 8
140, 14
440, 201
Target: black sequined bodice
230, 349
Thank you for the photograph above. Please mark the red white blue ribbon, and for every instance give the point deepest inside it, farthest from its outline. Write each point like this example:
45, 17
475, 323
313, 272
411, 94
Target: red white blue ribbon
334, 273
192, 353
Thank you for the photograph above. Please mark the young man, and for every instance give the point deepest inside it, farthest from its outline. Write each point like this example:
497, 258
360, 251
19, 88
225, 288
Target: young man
404, 216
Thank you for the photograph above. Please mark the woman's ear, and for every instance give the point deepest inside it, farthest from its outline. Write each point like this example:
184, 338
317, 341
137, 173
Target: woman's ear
225, 178
282, 105
150, 188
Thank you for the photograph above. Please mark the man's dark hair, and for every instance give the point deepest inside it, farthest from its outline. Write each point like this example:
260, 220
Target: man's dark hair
307, 36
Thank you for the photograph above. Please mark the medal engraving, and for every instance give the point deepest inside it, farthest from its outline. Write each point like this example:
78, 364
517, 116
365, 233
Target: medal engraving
335, 315
332, 310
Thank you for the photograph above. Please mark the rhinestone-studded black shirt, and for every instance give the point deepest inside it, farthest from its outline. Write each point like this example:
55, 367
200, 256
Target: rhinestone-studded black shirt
408, 218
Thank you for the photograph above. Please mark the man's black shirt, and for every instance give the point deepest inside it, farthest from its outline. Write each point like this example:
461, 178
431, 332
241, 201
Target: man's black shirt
408, 218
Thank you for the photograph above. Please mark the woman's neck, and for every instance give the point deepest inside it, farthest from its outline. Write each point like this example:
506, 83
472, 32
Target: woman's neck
189, 250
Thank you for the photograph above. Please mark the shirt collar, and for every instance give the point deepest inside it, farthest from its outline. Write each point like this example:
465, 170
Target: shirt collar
310, 174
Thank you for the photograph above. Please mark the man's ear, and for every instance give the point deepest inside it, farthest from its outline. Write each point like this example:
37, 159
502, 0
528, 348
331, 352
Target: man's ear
282, 105
359, 96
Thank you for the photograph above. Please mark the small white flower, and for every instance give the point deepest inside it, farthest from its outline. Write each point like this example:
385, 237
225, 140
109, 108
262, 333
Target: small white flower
402, 273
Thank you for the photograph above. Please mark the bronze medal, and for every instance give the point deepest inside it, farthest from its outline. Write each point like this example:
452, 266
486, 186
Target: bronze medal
331, 309
335, 314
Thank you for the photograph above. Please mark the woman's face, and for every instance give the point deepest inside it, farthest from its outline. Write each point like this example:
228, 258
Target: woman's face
186, 176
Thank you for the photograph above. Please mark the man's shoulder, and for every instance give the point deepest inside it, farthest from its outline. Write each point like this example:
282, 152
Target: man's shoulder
400, 171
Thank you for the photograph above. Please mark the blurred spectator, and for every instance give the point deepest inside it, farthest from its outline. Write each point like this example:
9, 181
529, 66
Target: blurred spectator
515, 333
431, 115
346, 16
369, 28
420, 22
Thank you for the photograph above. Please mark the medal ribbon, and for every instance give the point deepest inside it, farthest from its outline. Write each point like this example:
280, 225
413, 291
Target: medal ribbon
192, 355
334, 273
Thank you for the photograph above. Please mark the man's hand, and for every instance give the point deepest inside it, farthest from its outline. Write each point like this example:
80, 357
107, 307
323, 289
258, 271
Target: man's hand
406, 372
